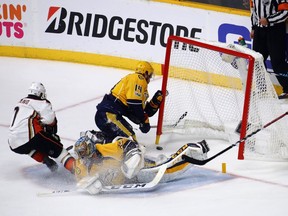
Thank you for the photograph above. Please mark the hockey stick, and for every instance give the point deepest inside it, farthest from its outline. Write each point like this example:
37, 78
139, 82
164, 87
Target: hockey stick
172, 126
117, 188
278, 74
169, 126
202, 162
176, 123
180, 119
138, 186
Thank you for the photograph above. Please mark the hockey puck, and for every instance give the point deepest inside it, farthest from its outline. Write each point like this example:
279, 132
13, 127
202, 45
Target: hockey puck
159, 148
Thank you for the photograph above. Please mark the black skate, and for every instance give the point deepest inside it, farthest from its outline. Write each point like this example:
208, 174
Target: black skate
51, 164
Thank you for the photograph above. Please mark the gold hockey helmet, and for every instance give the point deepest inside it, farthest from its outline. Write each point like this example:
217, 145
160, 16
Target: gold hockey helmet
145, 68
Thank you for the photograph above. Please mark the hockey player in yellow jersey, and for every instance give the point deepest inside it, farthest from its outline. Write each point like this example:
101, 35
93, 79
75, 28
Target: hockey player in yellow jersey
128, 98
124, 161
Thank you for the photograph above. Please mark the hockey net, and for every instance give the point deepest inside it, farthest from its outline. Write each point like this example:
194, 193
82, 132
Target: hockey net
213, 87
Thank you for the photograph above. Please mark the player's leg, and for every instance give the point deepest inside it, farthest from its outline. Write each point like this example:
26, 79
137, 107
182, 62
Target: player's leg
112, 126
133, 159
52, 147
260, 42
127, 151
176, 166
198, 150
38, 156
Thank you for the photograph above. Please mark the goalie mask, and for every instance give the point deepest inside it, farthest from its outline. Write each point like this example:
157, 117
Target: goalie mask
38, 90
84, 147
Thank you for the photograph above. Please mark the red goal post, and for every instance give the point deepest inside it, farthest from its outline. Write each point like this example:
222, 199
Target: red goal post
213, 87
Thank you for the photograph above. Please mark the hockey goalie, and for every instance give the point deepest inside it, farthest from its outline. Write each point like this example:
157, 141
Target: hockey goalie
123, 161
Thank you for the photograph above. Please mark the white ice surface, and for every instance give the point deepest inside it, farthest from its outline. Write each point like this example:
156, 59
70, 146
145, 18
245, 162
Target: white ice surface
248, 187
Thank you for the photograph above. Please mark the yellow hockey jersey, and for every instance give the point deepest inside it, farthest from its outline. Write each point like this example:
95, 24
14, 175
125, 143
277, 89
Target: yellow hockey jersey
132, 89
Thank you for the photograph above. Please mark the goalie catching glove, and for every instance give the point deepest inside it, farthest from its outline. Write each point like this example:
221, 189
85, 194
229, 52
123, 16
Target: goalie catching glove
153, 105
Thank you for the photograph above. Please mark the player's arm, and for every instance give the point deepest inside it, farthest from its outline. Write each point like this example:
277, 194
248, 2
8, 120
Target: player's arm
48, 117
47, 114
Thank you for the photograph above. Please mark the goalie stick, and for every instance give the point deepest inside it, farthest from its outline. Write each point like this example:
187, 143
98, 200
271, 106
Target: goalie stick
124, 188
171, 126
138, 186
203, 162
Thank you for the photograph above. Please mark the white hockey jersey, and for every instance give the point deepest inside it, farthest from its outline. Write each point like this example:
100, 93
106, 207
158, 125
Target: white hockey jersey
30, 114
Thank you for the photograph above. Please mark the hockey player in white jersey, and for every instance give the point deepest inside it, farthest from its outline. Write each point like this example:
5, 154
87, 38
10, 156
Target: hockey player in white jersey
123, 160
33, 130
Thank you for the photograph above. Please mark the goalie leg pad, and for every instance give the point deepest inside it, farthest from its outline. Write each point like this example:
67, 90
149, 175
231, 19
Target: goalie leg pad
198, 150
204, 146
133, 162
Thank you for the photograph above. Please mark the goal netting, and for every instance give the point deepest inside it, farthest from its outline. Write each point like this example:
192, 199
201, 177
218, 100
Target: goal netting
213, 87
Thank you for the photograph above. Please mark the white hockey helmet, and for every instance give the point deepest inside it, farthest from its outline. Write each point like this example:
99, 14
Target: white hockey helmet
38, 90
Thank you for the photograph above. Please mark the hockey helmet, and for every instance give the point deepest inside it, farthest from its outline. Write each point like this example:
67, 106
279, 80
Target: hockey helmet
81, 147
38, 90
145, 68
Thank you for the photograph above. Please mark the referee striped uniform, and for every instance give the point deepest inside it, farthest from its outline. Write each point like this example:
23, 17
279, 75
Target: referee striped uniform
270, 40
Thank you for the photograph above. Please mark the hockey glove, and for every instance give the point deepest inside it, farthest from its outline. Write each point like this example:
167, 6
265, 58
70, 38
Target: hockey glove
55, 136
145, 126
156, 99
153, 105
51, 128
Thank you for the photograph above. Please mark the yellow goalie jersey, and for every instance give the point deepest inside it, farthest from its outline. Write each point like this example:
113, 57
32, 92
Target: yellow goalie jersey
100, 158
